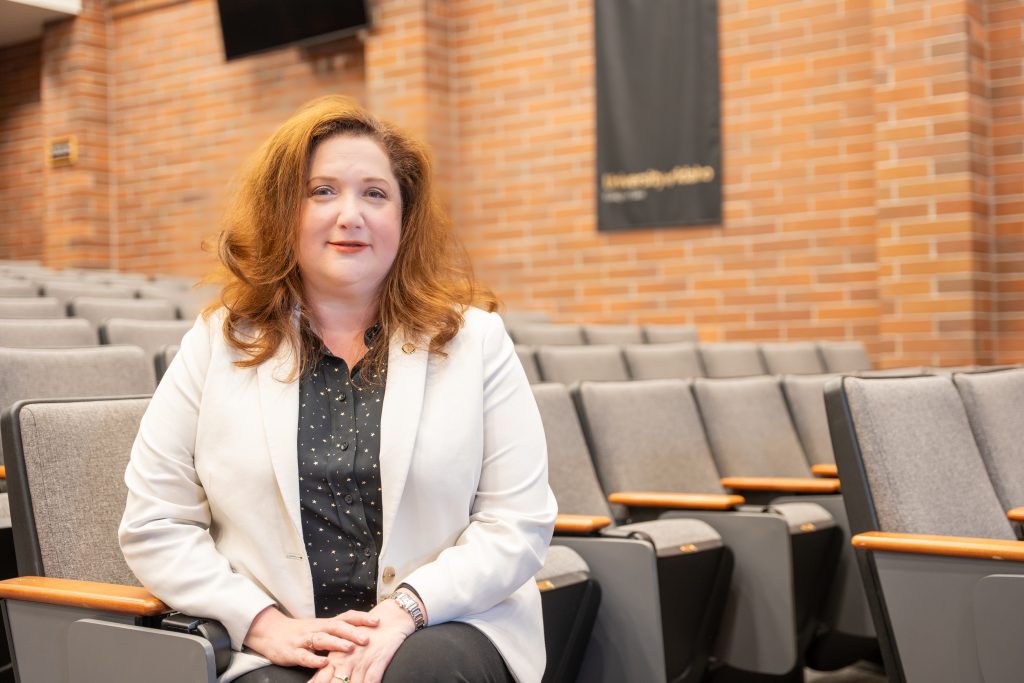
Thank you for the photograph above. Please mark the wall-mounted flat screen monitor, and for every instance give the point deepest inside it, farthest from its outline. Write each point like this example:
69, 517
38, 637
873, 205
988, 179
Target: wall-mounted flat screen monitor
251, 26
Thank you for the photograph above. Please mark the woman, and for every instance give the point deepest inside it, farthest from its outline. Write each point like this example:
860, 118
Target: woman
344, 463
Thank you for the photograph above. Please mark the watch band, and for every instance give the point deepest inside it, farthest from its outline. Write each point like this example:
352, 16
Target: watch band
406, 602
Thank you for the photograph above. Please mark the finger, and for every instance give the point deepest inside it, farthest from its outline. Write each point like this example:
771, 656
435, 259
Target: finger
323, 675
304, 657
350, 633
326, 642
375, 672
357, 618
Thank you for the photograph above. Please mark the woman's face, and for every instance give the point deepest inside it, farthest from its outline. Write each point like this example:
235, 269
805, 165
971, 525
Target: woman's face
351, 220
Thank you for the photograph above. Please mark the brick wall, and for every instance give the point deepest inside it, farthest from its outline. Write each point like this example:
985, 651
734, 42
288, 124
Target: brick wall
872, 159
21, 154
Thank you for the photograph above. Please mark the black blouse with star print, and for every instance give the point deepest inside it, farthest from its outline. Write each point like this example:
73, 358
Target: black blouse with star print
339, 482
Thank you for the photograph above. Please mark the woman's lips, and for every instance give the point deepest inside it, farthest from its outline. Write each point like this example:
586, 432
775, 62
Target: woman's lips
348, 247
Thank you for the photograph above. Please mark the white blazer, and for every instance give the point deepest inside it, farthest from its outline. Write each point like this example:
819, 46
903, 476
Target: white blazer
212, 521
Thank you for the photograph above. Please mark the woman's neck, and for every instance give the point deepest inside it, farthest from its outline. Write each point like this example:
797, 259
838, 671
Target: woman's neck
341, 325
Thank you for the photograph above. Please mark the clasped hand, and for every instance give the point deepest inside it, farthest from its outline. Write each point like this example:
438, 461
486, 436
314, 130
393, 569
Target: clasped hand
357, 645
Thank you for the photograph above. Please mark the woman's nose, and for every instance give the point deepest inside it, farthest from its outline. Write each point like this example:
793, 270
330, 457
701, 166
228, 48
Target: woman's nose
349, 215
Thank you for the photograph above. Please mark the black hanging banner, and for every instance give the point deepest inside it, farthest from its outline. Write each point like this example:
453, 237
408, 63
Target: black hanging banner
659, 149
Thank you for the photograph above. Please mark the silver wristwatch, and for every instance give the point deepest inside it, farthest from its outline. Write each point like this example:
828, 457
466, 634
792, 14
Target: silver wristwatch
409, 604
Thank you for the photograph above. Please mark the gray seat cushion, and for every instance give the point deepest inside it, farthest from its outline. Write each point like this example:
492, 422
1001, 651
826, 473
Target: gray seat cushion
798, 358
547, 334
733, 359
47, 333
613, 334
559, 562
569, 364
799, 515
806, 397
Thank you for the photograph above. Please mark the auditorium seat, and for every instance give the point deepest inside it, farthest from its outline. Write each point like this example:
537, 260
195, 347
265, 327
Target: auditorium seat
755, 444
805, 395
47, 332
661, 334
162, 359
547, 334
189, 302
844, 356
792, 358
613, 334
568, 364
98, 309
652, 455
994, 402
731, 359
65, 290
149, 335
17, 288
943, 570
526, 357
670, 360
31, 307
77, 608
569, 598
663, 583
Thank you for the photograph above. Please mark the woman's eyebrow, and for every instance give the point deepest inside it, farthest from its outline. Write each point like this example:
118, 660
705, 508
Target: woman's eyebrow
368, 179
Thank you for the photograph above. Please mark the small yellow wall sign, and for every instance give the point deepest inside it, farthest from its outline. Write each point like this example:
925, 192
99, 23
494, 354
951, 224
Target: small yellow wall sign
62, 151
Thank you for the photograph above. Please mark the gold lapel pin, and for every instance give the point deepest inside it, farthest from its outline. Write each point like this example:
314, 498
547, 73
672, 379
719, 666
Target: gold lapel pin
408, 347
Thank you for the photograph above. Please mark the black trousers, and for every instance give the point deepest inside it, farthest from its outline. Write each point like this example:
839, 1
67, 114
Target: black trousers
447, 653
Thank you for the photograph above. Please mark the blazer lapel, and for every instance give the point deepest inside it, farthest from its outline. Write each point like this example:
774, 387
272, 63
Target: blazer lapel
400, 419
279, 405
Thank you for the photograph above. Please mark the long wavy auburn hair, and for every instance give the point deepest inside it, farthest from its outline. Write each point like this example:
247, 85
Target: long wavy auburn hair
422, 297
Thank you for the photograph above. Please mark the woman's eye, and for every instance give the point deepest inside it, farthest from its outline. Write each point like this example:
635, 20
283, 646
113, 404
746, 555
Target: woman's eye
376, 193
321, 191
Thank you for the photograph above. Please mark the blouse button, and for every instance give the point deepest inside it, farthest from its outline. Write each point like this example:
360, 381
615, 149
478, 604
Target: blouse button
344, 445
389, 574
367, 552
348, 499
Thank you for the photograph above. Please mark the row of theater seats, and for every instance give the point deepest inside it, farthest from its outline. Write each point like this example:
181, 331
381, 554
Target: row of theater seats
696, 508
681, 360
933, 476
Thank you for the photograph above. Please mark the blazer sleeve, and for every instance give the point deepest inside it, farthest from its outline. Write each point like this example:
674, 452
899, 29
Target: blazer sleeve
514, 510
165, 530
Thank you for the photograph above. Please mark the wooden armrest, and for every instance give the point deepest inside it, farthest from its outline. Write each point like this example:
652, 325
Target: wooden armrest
103, 596
794, 484
581, 524
950, 546
685, 501
3, 472
825, 471
1015, 514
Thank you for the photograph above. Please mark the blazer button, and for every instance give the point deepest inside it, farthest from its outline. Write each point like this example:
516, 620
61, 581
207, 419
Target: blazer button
389, 574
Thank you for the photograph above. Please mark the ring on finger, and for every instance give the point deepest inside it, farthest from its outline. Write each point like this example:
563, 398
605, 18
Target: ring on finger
343, 679
309, 641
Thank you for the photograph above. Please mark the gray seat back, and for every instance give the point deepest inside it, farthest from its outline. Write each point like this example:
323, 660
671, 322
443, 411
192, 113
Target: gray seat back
548, 334
66, 485
571, 472
731, 359
149, 335
97, 309
569, 364
922, 466
162, 359
994, 402
671, 360
844, 356
18, 288
805, 395
661, 334
74, 372
796, 358
529, 362
647, 436
66, 289
47, 332
749, 427
613, 334
31, 307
